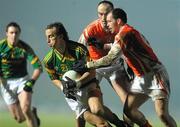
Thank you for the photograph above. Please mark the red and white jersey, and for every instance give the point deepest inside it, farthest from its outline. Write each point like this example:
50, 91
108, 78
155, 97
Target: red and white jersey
136, 50
96, 30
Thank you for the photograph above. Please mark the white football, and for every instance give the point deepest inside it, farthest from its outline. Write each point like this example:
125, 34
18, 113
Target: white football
71, 74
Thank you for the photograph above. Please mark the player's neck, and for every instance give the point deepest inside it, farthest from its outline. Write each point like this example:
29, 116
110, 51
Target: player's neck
61, 48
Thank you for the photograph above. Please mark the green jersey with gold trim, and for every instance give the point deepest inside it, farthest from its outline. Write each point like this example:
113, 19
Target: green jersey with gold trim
13, 60
57, 64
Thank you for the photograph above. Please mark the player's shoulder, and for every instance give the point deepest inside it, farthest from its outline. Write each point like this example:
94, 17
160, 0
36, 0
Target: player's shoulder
48, 57
127, 29
24, 45
76, 45
93, 26
3, 41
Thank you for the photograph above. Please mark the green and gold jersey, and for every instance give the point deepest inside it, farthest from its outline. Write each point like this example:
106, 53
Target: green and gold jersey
13, 60
57, 64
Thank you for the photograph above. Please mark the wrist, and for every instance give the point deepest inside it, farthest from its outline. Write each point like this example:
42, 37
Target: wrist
90, 64
30, 82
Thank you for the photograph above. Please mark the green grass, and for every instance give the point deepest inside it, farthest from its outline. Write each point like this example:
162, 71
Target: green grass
52, 120
47, 120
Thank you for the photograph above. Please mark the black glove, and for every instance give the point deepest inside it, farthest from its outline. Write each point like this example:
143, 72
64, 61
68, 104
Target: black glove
94, 42
69, 84
29, 85
68, 88
80, 66
130, 73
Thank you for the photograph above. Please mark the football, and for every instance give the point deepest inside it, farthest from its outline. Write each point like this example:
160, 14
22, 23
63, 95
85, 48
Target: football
71, 74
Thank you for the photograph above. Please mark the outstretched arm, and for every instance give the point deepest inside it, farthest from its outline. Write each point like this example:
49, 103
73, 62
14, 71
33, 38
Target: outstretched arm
114, 53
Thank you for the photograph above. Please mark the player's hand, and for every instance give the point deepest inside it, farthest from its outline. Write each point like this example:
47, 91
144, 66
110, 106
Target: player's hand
69, 84
29, 85
80, 66
68, 91
94, 42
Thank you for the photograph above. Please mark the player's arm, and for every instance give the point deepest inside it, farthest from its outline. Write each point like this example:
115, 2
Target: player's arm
58, 84
35, 62
114, 53
85, 78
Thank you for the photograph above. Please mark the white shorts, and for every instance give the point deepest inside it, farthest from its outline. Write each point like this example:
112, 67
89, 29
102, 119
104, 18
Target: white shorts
76, 106
111, 73
154, 84
82, 95
10, 88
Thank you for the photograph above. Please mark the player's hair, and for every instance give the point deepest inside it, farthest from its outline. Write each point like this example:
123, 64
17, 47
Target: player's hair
14, 24
119, 13
60, 29
106, 2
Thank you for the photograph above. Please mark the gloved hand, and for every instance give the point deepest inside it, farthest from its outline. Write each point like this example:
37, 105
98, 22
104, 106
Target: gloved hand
94, 42
69, 84
80, 66
29, 85
68, 88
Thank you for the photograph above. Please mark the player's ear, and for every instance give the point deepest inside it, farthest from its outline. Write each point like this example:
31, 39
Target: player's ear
118, 21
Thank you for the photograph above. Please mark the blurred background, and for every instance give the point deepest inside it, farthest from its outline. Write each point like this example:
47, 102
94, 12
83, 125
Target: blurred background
158, 20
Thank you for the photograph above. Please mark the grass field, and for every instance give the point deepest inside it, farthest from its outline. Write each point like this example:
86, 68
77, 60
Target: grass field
47, 120
50, 120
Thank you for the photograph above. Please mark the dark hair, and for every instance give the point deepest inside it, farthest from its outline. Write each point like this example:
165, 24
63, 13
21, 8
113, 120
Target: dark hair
106, 2
119, 13
60, 29
14, 24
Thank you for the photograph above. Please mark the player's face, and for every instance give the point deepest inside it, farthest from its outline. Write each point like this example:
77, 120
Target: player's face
103, 10
51, 36
12, 35
112, 24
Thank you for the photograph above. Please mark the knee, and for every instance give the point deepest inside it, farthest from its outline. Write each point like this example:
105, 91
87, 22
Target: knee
97, 110
100, 122
26, 111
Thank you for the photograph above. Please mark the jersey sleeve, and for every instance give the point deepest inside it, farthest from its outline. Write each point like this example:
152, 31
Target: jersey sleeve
50, 68
82, 40
33, 59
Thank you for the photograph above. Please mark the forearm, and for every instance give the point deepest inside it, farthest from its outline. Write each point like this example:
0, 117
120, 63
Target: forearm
36, 74
106, 60
86, 77
58, 84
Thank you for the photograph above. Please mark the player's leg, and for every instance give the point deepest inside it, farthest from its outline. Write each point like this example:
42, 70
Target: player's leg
16, 112
25, 103
95, 102
34, 111
95, 120
161, 97
133, 102
80, 122
113, 118
9, 95
161, 106
96, 106
121, 85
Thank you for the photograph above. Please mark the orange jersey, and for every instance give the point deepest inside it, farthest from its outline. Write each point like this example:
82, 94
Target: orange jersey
136, 50
95, 30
